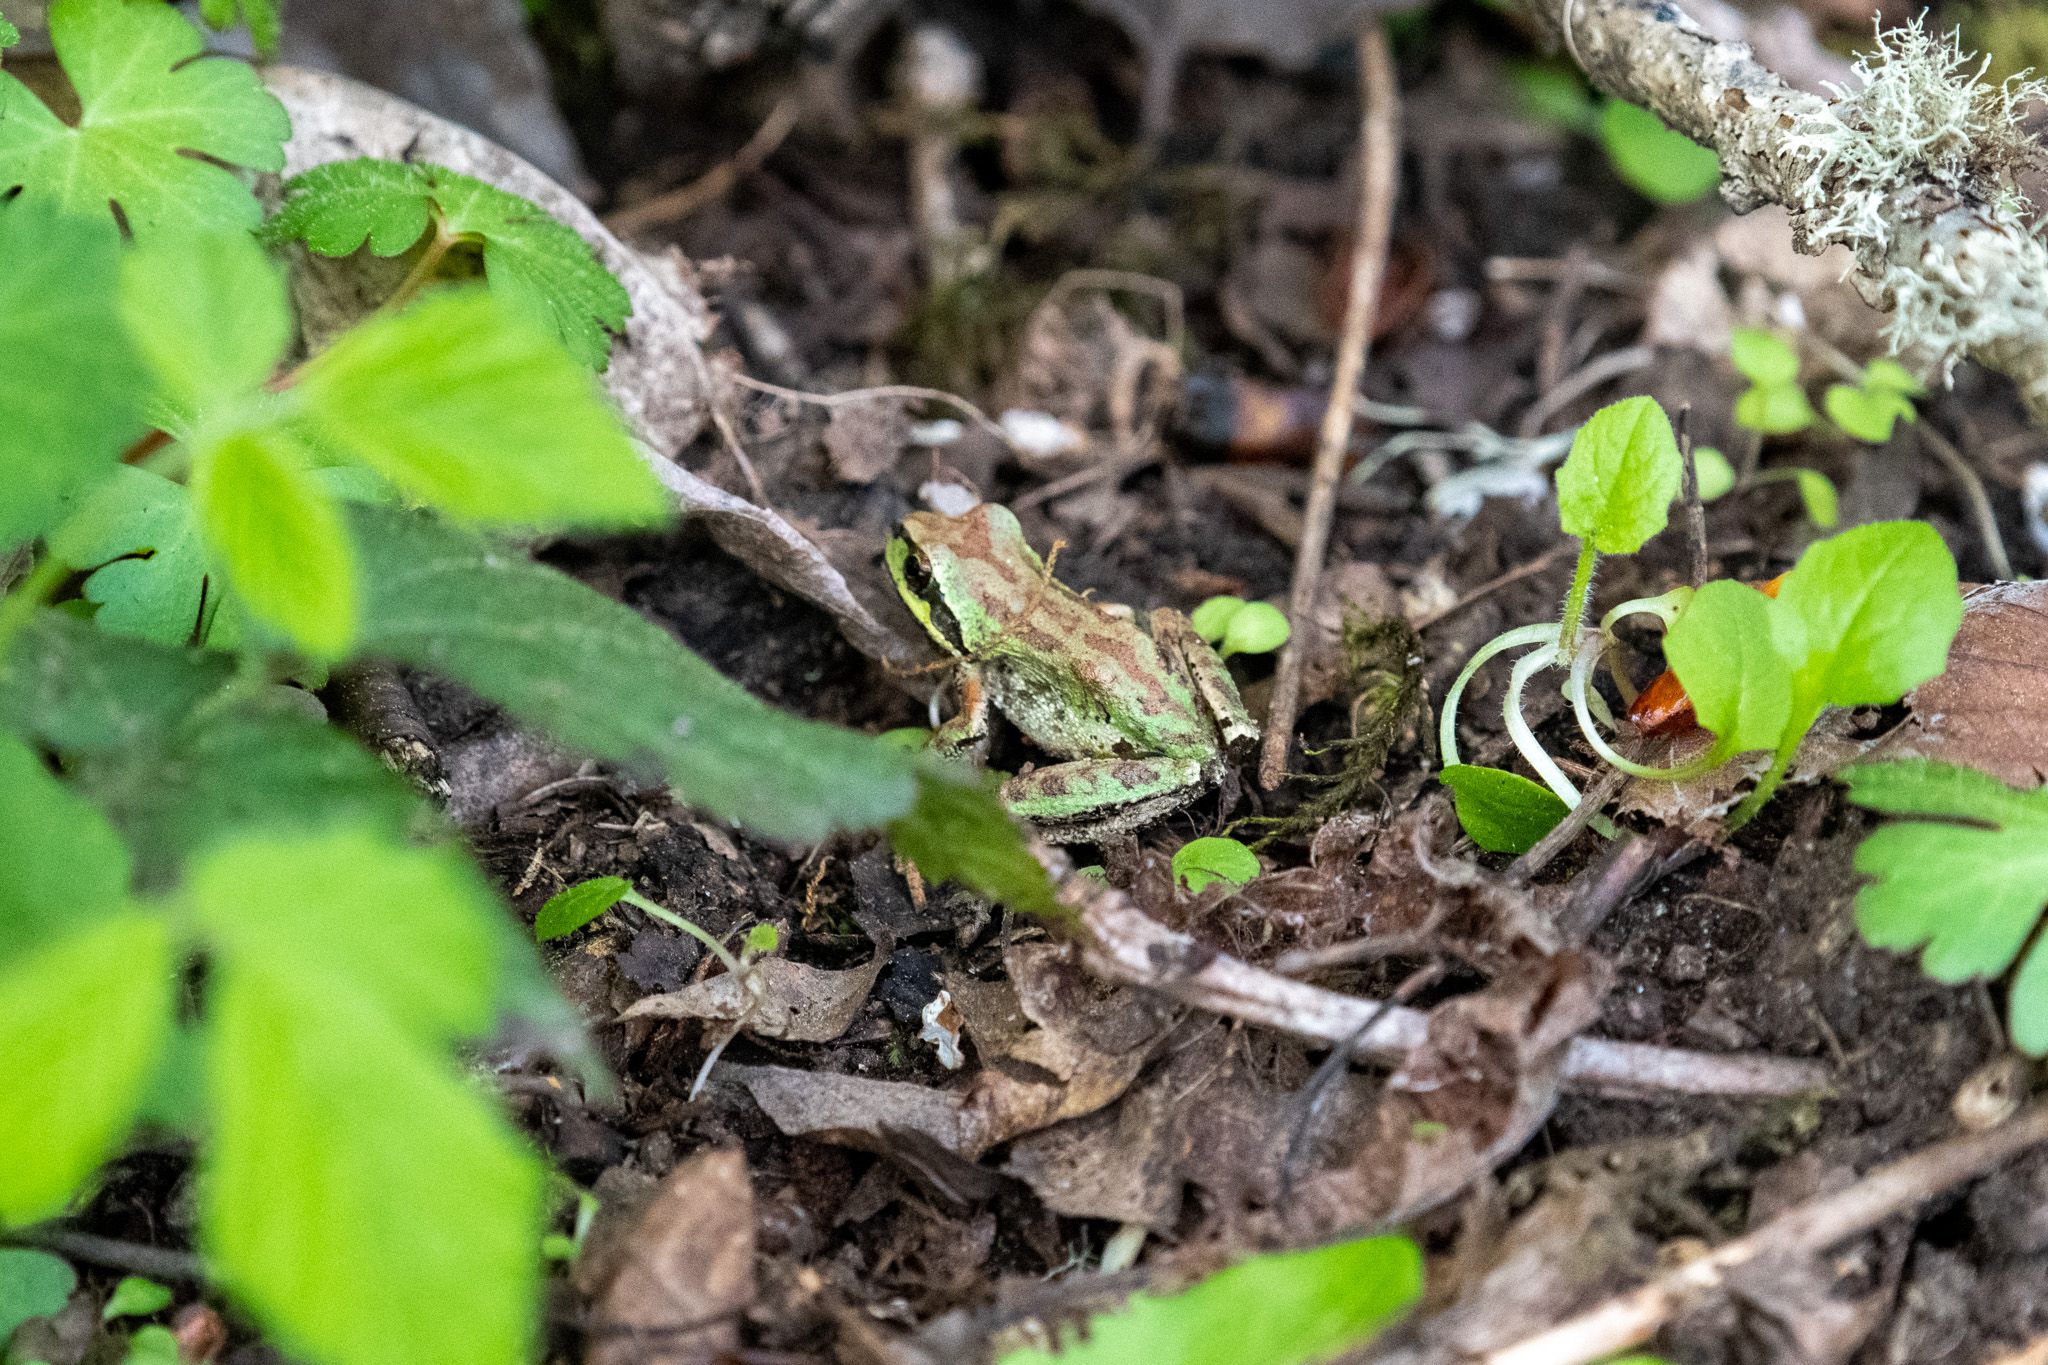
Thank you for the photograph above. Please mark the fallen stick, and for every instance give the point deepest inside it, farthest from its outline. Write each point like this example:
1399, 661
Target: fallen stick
1128, 946
1379, 161
1633, 1318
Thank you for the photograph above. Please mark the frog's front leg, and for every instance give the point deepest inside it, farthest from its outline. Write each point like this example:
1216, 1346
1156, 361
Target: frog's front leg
1092, 798
965, 735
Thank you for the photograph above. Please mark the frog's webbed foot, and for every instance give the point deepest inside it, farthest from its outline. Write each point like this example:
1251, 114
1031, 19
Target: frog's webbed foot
1092, 798
1175, 635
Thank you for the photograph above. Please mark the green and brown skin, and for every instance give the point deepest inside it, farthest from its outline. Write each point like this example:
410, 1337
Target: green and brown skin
1142, 721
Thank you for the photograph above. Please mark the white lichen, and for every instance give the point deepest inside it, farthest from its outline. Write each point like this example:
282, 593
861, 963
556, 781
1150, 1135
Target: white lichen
1925, 133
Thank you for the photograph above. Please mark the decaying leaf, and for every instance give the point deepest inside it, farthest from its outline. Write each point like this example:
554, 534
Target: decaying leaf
863, 440
1985, 711
787, 1000
686, 1274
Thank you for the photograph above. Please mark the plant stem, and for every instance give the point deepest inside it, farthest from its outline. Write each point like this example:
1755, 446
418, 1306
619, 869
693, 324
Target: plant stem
1575, 603
1447, 724
670, 917
422, 272
1754, 802
19, 607
1525, 739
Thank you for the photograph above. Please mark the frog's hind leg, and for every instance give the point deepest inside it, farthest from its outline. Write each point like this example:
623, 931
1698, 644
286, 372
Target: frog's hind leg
1175, 635
1090, 798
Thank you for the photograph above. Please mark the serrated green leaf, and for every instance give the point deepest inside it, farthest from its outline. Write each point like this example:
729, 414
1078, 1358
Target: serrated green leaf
84, 691
575, 906
1722, 648
137, 535
1200, 863
469, 406
293, 907
64, 864
265, 23
539, 265
1878, 606
1774, 409
280, 537
1971, 893
1285, 1308
70, 385
364, 1200
33, 1284
155, 117
1653, 159
1504, 812
135, 1297
1614, 489
1817, 496
82, 1021
1868, 414
210, 315
1763, 358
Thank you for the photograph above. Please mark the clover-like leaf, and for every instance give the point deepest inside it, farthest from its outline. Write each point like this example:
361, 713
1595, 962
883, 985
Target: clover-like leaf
540, 266
1199, 864
1774, 409
1763, 357
1967, 878
1614, 489
1868, 413
1212, 618
1504, 812
159, 124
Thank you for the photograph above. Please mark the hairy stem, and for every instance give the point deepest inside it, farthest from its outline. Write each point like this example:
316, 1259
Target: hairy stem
1575, 603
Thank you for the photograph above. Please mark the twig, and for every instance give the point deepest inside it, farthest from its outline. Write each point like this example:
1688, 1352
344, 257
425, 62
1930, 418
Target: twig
1972, 489
1127, 945
1499, 581
1695, 514
911, 393
1379, 151
158, 1263
1633, 1318
1565, 831
1584, 380
671, 206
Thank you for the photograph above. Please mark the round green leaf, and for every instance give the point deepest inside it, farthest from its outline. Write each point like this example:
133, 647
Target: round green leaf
1722, 650
1763, 358
1212, 618
1774, 409
1868, 414
33, 1284
1615, 488
1886, 373
1877, 607
1657, 162
573, 907
1257, 628
153, 1346
1504, 812
1200, 863
135, 1297
1716, 476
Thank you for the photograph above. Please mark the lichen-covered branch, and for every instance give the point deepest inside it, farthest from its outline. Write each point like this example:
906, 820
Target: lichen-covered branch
1913, 171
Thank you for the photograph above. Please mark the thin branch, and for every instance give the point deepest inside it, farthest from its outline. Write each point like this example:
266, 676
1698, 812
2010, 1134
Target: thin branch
1379, 162
1811, 1228
672, 206
1972, 489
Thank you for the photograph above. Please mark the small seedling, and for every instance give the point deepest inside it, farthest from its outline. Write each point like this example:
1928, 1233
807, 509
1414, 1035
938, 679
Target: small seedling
1201, 863
1236, 626
1817, 495
1774, 404
152, 1346
1716, 476
1870, 408
575, 906
566, 1247
1964, 876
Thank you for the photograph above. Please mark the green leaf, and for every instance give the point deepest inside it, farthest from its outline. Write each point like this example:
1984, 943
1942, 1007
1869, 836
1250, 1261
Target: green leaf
82, 1022
84, 691
265, 25
1722, 649
1554, 92
468, 405
1774, 409
153, 1346
137, 535
293, 907
1652, 159
1257, 628
9, 36
1877, 607
1971, 893
65, 866
575, 906
135, 1297
1716, 476
368, 1204
956, 830
1868, 414
1212, 618
1200, 863
1885, 374
280, 537
1285, 1308
209, 313
33, 1284
70, 387
1504, 812
1614, 489
1763, 358
1817, 495
540, 266
155, 118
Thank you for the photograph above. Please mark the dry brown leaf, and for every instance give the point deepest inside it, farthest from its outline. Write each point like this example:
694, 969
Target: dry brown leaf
786, 1000
687, 1273
863, 440
1989, 711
